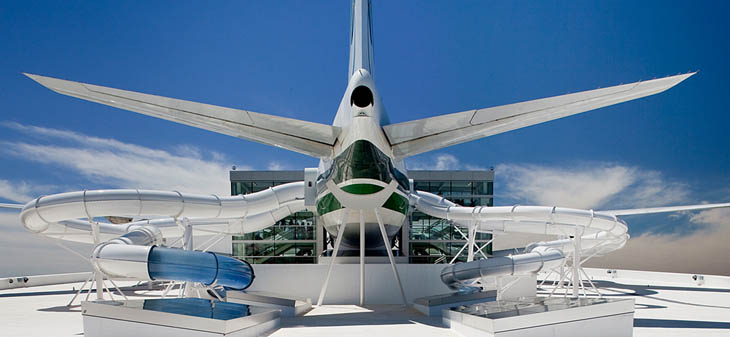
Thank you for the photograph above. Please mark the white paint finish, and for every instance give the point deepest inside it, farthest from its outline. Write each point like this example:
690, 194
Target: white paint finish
654, 210
105, 327
515, 287
126, 261
414, 137
325, 284
386, 244
361, 46
614, 326
343, 288
356, 126
603, 319
309, 138
369, 321
289, 307
41, 280
55, 215
434, 305
362, 258
120, 316
670, 299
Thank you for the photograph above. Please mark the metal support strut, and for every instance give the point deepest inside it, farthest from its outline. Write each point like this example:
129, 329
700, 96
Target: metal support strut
390, 256
362, 258
576, 262
187, 245
338, 241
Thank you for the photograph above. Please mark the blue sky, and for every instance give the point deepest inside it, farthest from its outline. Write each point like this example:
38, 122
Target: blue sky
289, 58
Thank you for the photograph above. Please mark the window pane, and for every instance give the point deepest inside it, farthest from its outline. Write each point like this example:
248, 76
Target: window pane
305, 249
480, 188
243, 187
439, 187
441, 231
483, 236
419, 232
460, 188
261, 185
419, 248
461, 201
490, 188
484, 201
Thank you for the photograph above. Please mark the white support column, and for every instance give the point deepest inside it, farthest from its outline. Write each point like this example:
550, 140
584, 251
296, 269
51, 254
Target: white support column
362, 257
340, 234
187, 245
187, 235
386, 243
470, 240
576, 262
97, 273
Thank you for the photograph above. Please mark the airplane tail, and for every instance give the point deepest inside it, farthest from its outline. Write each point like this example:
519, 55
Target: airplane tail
361, 37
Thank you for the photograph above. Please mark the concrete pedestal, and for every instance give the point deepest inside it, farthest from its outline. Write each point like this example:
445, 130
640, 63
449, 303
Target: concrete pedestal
289, 306
434, 305
563, 317
178, 317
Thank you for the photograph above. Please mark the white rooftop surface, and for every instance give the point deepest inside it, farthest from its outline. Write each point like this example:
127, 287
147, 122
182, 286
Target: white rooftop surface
666, 305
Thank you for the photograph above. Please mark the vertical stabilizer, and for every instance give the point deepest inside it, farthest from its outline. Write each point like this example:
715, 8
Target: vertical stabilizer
361, 37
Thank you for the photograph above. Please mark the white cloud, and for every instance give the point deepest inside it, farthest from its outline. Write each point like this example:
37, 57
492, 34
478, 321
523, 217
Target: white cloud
18, 192
24, 253
276, 166
118, 164
718, 218
596, 185
703, 251
439, 161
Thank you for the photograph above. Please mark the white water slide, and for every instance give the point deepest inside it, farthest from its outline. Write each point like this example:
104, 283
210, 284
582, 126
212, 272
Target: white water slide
127, 250
130, 250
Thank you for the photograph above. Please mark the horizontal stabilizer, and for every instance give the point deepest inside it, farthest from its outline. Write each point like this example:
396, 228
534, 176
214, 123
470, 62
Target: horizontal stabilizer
414, 137
664, 209
309, 138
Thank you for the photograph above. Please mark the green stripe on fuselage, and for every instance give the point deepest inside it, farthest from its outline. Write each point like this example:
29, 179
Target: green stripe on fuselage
397, 203
362, 188
327, 203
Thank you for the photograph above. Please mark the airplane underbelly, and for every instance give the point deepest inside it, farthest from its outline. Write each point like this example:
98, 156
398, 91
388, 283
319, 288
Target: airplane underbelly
343, 203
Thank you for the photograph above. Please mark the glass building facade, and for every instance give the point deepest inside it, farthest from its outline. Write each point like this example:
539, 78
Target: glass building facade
434, 240
290, 240
299, 238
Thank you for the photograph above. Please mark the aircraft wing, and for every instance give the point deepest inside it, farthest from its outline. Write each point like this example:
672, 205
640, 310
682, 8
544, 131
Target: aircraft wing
11, 206
664, 209
309, 138
418, 136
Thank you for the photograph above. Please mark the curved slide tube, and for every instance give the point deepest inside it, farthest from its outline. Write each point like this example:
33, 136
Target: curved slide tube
539, 259
600, 233
59, 215
130, 249
134, 255
160, 263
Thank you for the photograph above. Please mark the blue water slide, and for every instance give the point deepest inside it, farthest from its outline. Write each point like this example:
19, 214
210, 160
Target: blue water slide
203, 267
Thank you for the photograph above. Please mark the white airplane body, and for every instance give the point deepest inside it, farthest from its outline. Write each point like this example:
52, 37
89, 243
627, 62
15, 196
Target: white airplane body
362, 183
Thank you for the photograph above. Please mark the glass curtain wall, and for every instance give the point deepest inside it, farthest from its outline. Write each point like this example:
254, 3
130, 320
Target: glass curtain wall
434, 240
295, 239
290, 240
